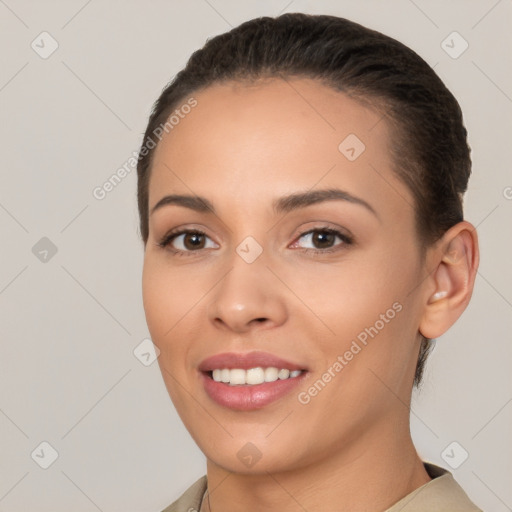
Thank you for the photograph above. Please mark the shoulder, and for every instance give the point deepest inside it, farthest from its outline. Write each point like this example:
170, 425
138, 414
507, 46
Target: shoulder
190, 500
441, 494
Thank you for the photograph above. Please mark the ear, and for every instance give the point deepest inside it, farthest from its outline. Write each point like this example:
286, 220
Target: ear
448, 289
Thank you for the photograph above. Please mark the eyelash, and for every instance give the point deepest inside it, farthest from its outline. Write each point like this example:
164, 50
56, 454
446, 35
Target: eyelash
169, 237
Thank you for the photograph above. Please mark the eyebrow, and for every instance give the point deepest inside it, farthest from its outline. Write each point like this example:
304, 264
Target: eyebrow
283, 204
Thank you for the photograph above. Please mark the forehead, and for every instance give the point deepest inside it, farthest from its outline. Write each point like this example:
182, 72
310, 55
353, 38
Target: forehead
272, 137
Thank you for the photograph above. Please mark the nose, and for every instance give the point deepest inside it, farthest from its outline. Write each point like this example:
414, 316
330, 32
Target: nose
248, 297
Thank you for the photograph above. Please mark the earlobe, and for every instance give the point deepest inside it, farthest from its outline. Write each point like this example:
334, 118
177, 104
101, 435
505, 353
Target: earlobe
455, 261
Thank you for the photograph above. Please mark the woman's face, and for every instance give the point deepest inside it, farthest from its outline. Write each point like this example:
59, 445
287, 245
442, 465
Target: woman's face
267, 286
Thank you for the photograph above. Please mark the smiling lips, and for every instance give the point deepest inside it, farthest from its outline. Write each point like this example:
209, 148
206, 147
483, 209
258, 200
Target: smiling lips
248, 381
252, 376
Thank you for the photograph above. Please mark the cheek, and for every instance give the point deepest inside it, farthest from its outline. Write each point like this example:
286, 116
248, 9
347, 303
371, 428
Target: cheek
166, 301
362, 309
351, 295
167, 297
162, 310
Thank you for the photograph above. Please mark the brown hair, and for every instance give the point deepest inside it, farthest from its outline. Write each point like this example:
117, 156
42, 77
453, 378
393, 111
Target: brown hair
430, 149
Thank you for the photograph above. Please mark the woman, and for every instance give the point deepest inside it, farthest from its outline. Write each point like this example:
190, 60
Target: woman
300, 197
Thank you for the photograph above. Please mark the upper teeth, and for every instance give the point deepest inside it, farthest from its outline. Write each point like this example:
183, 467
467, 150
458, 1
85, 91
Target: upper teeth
252, 375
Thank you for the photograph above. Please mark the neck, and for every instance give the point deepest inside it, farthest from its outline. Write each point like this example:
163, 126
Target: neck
372, 476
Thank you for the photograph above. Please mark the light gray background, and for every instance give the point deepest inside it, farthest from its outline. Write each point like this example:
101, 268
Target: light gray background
69, 325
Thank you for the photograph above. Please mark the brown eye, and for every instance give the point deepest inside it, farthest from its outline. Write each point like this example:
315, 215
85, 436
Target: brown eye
186, 241
193, 241
324, 240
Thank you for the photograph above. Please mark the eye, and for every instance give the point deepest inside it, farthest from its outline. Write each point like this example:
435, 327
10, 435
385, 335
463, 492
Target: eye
324, 240
186, 241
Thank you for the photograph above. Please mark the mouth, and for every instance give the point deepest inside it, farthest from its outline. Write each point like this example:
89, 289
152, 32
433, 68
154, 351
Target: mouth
252, 376
249, 381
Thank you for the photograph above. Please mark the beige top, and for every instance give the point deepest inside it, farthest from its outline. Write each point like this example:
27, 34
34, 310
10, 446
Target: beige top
441, 494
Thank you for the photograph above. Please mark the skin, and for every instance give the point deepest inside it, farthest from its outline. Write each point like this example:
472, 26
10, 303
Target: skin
242, 147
